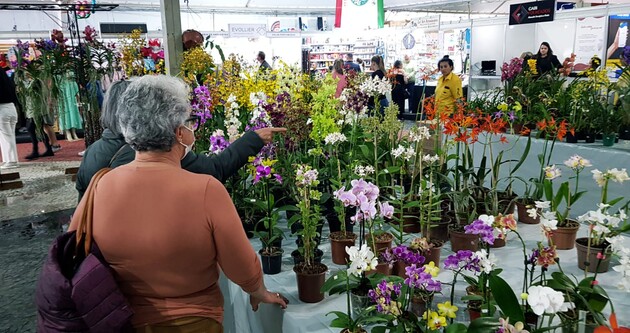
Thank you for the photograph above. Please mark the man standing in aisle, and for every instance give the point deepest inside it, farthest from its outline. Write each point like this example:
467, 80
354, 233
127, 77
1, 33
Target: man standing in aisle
264, 65
411, 71
350, 65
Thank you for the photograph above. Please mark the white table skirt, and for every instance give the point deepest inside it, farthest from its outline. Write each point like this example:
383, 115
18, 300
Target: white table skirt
301, 317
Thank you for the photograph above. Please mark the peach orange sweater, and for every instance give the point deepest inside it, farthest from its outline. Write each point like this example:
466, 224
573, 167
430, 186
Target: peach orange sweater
165, 231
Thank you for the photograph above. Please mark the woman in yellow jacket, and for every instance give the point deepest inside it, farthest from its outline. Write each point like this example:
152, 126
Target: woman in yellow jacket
449, 87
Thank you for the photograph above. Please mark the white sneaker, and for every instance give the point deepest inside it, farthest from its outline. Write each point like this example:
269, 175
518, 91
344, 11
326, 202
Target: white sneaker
81, 153
9, 165
56, 148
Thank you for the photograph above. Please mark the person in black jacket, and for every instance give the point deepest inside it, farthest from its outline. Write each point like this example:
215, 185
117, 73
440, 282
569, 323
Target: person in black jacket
111, 149
8, 119
546, 61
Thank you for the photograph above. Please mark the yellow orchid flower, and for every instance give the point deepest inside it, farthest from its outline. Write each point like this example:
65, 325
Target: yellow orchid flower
434, 320
432, 269
447, 310
502, 107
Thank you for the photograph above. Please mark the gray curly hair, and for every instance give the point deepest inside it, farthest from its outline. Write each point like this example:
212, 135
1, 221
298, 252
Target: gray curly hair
150, 111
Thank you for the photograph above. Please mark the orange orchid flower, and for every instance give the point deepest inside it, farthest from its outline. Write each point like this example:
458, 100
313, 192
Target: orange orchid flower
504, 139
525, 131
542, 124
614, 325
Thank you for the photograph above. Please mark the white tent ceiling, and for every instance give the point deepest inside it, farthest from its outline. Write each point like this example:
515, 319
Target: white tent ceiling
316, 7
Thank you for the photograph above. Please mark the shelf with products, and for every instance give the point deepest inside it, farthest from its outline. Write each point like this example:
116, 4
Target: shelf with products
323, 55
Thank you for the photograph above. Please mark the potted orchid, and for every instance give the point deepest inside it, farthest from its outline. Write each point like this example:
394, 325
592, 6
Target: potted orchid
603, 224
263, 174
364, 197
563, 236
358, 314
310, 274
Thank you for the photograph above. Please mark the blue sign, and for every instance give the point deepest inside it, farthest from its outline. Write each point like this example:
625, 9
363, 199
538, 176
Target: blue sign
359, 2
409, 41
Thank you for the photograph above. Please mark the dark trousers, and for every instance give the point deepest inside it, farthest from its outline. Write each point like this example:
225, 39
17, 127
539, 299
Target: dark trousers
32, 132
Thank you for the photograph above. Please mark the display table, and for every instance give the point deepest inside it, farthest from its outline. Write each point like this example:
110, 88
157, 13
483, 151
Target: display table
301, 317
602, 158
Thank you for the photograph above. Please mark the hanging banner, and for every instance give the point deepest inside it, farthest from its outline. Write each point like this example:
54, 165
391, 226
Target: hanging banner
532, 12
358, 15
589, 40
618, 38
247, 30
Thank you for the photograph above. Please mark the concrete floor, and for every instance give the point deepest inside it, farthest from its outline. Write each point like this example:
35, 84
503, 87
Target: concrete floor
46, 189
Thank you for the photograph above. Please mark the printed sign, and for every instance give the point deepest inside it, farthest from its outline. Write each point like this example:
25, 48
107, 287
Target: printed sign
409, 41
247, 30
618, 38
589, 41
532, 12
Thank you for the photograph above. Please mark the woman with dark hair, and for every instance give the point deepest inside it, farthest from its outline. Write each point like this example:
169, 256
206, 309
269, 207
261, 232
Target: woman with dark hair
399, 84
338, 73
545, 60
449, 87
377, 66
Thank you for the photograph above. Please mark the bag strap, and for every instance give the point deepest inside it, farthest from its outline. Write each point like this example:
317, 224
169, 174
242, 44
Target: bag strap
84, 229
118, 152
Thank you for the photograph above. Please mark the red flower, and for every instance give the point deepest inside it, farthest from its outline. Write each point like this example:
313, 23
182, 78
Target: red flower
613, 324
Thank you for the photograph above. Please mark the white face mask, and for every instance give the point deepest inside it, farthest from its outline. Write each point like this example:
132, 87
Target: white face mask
188, 148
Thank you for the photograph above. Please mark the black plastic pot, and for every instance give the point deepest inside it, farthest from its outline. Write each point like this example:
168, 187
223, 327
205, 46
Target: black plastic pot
570, 138
271, 264
298, 258
589, 137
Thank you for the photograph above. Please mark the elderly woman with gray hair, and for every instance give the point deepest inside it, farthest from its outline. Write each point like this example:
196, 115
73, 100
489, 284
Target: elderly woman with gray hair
165, 231
111, 150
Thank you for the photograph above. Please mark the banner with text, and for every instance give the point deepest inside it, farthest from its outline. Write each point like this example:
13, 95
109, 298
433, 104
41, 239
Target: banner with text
532, 12
247, 30
359, 15
589, 41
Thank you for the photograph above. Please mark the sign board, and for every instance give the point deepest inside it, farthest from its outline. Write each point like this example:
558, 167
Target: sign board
214, 34
589, 41
532, 12
618, 38
409, 41
283, 34
247, 30
427, 22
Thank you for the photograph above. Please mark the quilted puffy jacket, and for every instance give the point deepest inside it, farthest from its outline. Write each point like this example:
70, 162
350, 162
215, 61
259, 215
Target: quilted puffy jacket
79, 299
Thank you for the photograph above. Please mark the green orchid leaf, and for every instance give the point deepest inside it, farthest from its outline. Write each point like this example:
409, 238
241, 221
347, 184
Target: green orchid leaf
456, 328
483, 325
506, 299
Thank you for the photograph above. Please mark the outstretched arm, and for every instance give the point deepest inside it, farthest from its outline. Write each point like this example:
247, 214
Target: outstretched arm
234, 157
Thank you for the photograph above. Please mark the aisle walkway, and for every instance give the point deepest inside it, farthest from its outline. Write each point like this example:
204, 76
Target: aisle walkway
69, 151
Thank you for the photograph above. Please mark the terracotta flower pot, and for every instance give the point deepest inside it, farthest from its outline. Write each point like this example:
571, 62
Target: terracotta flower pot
433, 254
523, 217
400, 268
588, 259
419, 304
438, 230
338, 243
463, 241
411, 221
564, 237
383, 268
310, 280
498, 242
382, 242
